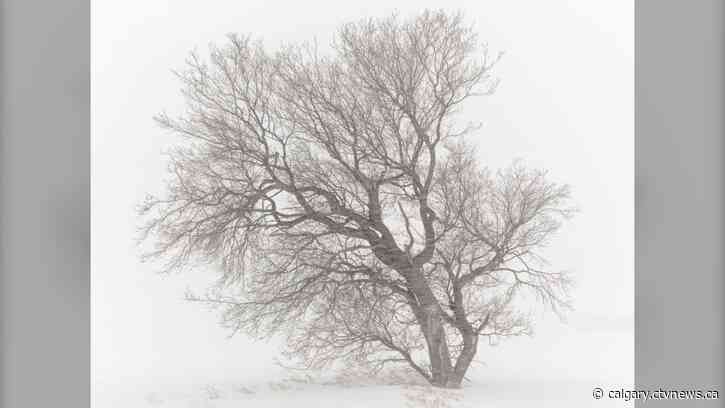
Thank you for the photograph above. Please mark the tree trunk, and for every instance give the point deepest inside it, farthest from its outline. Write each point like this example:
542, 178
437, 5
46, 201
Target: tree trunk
443, 373
431, 325
429, 315
470, 346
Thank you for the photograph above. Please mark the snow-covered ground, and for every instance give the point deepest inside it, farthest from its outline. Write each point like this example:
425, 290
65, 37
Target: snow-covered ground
559, 367
296, 393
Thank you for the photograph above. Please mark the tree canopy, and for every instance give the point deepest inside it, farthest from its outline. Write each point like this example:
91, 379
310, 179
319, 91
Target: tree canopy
344, 204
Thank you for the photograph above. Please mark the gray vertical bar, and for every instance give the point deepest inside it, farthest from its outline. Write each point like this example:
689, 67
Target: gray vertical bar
680, 273
45, 204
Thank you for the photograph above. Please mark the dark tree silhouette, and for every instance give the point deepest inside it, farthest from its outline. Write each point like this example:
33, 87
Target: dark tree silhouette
343, 204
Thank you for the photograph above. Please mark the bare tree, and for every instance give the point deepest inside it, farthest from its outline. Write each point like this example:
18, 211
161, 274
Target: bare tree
342, 203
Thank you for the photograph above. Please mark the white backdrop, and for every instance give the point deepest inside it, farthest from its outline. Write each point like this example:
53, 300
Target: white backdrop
565, 103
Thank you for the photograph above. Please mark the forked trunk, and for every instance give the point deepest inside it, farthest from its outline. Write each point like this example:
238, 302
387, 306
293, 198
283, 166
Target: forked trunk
443, 373
470, 345
440, 359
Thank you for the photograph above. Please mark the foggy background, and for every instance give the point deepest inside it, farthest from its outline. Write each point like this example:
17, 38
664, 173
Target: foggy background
565, 103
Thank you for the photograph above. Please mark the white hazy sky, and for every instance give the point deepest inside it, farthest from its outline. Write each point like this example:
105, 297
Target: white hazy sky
565, 103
